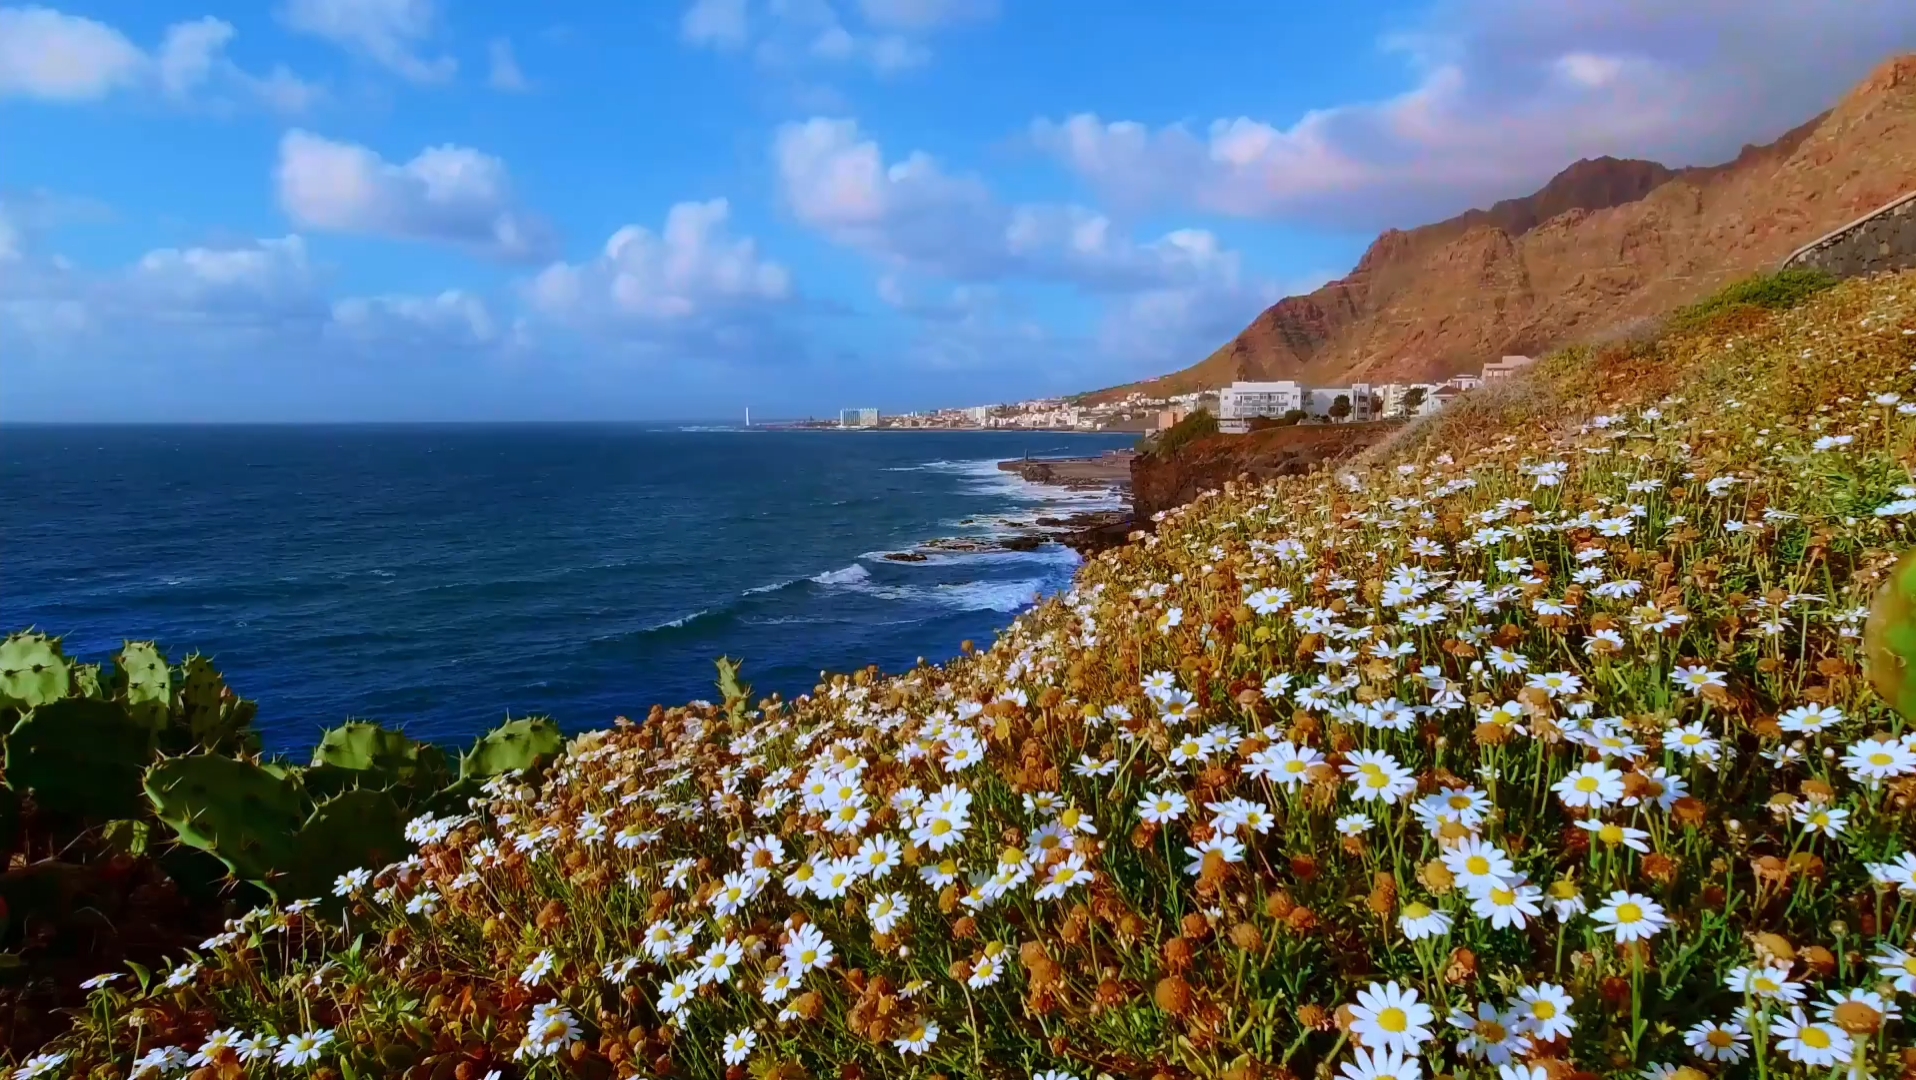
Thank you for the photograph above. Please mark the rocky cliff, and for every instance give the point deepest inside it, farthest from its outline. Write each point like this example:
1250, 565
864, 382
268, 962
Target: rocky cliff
1606, 243
1163, 482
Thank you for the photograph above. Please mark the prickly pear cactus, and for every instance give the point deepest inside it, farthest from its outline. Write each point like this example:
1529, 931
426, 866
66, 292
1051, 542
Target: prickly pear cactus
513, 745
88, 682
360, 828
232, 809
1889, 638
147, 681
736, 696
368, 748
81, 757
32, 671
210, 715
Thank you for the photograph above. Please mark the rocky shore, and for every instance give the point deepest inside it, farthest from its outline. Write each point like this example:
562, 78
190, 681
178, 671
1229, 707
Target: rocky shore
1086, 532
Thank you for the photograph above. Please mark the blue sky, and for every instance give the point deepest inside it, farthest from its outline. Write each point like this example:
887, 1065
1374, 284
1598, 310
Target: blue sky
434, 209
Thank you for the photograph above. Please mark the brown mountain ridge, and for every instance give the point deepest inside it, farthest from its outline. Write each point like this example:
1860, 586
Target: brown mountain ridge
1606, 243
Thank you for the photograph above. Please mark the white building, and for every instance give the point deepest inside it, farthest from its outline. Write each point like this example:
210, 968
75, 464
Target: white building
1323, 402
1395, 399
1242, 402
857, 418
978, 415
1506, 367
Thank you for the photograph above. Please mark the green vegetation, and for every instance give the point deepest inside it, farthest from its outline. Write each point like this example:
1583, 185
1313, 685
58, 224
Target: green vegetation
1777, 291
1198, 425
1569, 739
142, 760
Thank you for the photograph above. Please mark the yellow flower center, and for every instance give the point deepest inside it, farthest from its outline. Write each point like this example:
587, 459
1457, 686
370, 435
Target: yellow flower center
1611, 834
1477, 864
1490, 1031
1393, 1020
1720, 1039
1587, 784
1415, 910
1814, 1037
1543, 1010
1880, 758
1629, 913
940, 827
1909, 964
1503, 897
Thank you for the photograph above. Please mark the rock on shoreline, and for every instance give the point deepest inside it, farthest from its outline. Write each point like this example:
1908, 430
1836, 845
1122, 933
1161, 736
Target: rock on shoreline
1086, 532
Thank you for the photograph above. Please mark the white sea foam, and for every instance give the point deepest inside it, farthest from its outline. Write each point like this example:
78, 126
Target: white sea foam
848, 575
680, 621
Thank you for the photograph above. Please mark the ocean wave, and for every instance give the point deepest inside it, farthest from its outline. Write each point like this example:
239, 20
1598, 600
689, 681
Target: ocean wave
1004, 596
1050, 554
773, 587
673, 624
847, 575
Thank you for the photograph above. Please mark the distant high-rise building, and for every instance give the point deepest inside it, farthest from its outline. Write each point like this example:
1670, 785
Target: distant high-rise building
857, 418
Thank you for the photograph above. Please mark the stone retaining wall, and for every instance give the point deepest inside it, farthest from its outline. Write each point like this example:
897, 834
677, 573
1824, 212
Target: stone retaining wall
1878, 242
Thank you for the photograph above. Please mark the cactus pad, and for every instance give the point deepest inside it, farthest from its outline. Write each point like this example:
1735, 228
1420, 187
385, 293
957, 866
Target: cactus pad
81, 757
1889, 638
513, 745
360, 828
232, 809
211, 715
368, 748
32, 671
148, 682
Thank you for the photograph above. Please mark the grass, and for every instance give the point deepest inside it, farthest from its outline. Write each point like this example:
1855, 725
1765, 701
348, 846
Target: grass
1777, 291
1537, 746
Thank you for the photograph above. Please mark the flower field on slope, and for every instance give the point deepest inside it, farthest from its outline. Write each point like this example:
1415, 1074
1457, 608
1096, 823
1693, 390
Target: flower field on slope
1539, 746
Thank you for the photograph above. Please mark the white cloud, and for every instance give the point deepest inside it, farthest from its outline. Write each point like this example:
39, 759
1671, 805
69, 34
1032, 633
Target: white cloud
693, 273
446, 194
926, 14
389, 33
887, 37
1507, 93
721, 24
206, 312
189, 51
1160, 300
64, 58
452, 317
46, 54
837, 181
52, 56
505, 73
912, 213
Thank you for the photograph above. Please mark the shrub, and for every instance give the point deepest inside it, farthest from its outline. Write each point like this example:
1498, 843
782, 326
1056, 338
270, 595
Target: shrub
1198, 425
1769, 292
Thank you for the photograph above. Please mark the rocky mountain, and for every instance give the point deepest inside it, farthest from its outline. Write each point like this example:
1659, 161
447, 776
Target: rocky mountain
1606, 244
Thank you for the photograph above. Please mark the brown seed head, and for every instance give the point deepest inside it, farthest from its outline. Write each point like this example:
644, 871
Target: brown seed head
1172, 995
1857, 1018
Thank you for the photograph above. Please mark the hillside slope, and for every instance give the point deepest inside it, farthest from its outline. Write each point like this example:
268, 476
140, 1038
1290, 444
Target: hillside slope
1546, 719
1604, 244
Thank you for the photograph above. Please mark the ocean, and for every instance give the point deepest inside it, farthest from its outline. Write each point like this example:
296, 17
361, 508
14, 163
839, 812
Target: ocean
440, 577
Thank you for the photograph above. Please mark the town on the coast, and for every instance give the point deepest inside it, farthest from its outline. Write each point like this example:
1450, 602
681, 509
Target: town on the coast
1240, 407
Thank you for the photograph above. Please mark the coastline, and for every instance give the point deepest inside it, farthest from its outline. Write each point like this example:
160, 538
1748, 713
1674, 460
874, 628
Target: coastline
1102, 478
